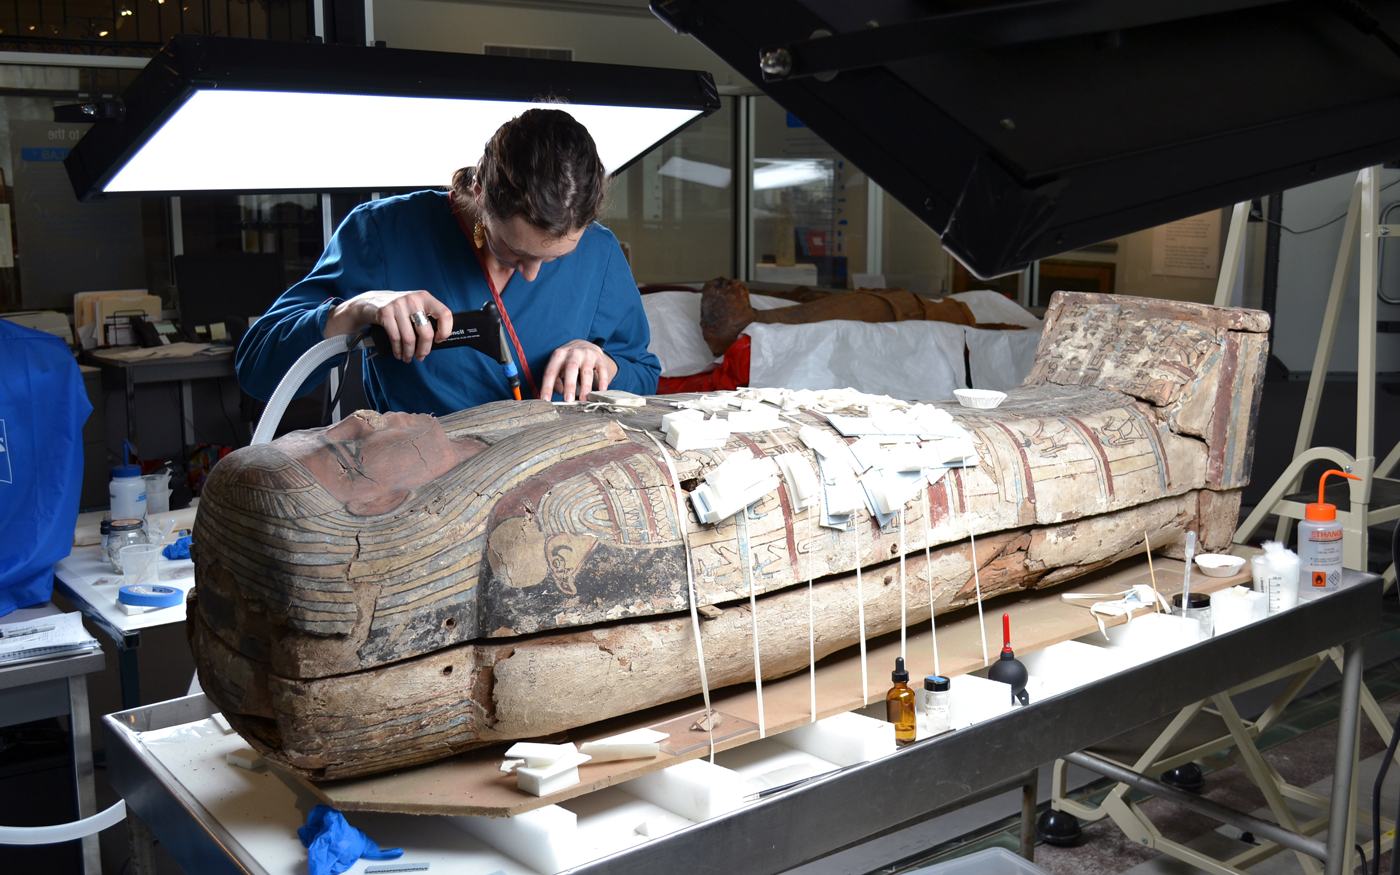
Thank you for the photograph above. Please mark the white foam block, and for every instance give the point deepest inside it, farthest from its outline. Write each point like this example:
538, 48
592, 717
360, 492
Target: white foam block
695, 790
654, 828
612, 751
843, 739
222, 722
1069, 664
975, 699
245, 759
558, 775
1154, 635
545, 839
617, 398
537, 755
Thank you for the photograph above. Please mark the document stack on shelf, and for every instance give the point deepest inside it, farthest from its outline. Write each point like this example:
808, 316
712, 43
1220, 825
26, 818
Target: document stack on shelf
45, 638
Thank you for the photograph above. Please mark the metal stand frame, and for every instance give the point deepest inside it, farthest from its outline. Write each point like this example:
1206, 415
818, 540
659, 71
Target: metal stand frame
1287, 834
1363, 510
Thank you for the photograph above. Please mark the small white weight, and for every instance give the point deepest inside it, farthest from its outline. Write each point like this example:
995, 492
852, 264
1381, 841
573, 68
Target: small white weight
246, 759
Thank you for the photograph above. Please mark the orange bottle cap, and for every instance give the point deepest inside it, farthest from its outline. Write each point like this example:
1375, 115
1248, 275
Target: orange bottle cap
1321, 511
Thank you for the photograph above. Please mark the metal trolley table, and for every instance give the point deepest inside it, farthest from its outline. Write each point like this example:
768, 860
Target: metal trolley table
829, 814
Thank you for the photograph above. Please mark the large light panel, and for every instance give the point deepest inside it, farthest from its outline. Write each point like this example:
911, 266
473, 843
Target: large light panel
222, 140
238, 116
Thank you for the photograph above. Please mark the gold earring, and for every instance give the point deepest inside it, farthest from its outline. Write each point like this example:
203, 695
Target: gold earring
479, 234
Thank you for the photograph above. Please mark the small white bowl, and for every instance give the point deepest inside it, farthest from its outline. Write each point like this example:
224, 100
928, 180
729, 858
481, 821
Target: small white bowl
1219, 564
982, 399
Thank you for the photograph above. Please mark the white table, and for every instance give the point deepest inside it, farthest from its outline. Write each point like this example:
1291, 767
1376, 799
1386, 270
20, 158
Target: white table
87, 580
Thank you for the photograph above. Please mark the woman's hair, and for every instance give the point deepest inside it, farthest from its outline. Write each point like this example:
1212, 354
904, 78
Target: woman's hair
541, 165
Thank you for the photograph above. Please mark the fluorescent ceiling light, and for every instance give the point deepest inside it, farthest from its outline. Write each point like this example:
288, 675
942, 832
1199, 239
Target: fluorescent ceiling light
227, 140
700, 172
787, 174
218, 115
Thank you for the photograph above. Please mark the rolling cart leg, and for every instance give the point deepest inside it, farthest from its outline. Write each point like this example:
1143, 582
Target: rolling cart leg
130, 676
83, 769
1029, 791
1339, 826
143, 845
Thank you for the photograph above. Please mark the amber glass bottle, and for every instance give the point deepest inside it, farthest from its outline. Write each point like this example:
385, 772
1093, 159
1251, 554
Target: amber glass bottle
899, 704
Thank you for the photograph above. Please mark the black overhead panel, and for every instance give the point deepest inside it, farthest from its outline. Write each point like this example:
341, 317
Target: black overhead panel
1018, 130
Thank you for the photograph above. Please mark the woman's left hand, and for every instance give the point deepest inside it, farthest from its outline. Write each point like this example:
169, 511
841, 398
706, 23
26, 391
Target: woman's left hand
574, 369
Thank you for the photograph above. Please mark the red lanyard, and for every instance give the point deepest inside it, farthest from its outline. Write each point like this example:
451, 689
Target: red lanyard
500, 305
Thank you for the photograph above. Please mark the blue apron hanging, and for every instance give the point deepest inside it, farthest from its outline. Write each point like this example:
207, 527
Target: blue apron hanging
42, 410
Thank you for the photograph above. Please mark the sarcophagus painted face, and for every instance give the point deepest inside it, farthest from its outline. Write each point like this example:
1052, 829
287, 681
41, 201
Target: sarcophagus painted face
397, 588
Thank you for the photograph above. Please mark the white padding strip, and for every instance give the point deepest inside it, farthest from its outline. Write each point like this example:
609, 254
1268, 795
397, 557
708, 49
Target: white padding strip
976, 579
928, 569
681, 520
860, 615
753, 611
903, 593
812, 513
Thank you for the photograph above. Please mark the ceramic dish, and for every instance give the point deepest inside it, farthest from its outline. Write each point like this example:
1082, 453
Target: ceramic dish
1219, 564
982, 399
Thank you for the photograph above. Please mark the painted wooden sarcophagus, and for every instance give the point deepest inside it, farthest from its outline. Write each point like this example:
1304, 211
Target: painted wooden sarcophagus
399, 588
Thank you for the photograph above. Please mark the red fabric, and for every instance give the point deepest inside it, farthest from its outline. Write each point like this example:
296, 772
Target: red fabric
500, 305
732, 373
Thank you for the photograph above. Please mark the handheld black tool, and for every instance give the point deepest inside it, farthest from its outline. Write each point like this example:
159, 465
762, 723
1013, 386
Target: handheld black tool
480, 330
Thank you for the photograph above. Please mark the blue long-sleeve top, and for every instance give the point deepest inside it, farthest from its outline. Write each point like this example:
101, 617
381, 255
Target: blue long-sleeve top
414, 242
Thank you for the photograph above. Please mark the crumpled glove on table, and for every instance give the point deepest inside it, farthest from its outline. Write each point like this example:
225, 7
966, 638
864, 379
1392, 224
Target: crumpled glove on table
178, 550
333, 845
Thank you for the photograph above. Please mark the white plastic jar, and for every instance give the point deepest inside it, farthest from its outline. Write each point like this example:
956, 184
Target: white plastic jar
128, 493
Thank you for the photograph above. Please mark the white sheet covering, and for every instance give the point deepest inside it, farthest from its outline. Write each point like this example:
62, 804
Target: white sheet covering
915, 361
817, 356
676, 340
1000, 360
989, 306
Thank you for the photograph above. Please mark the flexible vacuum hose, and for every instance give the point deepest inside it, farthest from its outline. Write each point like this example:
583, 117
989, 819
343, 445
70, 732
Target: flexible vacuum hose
310, 360
63, 832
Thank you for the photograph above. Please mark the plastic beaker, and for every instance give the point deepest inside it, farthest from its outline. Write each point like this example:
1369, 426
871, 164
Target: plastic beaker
157, 493
140, 564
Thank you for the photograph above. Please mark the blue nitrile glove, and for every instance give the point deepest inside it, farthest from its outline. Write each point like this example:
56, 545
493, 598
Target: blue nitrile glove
178, 550
333, 845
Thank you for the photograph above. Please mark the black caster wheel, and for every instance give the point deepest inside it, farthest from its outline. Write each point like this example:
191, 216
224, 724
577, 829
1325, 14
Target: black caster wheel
1058, 828
1187, 777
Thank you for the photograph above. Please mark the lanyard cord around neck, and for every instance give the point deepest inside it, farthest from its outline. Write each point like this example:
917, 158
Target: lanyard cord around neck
496, 296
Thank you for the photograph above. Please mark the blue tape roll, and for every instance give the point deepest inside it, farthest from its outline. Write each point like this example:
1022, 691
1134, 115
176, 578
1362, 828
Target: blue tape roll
146, 595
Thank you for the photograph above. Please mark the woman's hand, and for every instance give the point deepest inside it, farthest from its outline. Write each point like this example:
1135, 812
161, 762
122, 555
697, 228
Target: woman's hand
574, 368
394, 312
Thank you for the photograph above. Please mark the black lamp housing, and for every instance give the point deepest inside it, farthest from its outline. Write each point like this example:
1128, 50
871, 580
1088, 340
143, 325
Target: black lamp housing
1020, 129
190, 66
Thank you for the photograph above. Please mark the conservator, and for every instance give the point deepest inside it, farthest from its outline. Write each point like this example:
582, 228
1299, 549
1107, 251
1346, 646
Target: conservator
529, 208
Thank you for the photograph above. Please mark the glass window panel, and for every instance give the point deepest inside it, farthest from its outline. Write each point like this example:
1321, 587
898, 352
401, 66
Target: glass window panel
673, 210
286, 224
810, 214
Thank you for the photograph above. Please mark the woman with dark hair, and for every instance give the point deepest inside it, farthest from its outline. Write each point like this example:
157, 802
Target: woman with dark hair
521, 229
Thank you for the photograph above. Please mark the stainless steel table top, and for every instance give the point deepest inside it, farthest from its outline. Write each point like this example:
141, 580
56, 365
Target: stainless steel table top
841, 810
